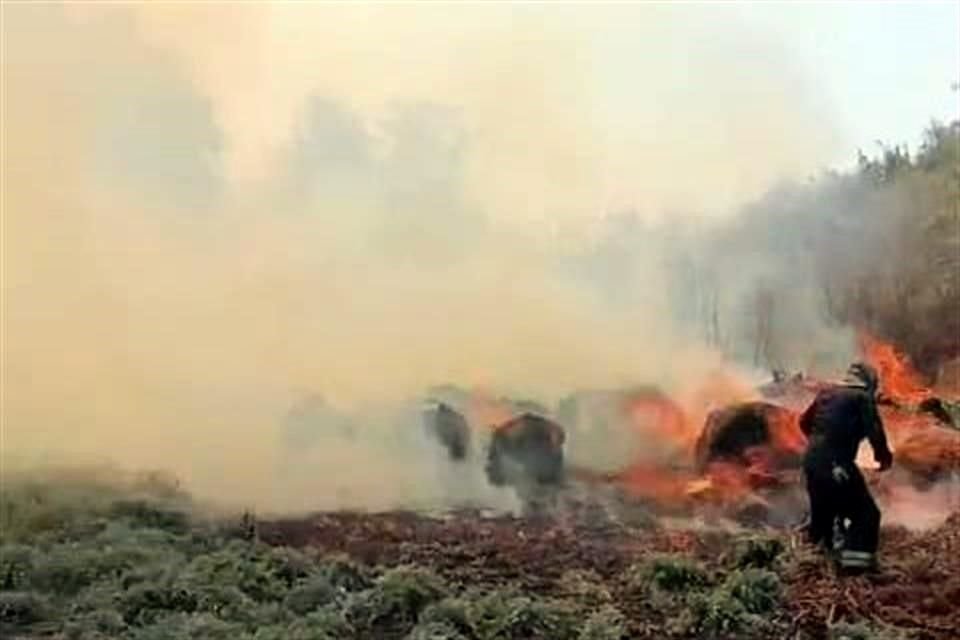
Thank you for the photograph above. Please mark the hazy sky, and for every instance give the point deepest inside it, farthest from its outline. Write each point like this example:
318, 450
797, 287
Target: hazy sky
885, 67
872, 70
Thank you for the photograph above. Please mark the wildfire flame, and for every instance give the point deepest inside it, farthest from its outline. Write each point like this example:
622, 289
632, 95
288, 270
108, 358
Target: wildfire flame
899, 381
686, 477
679, 423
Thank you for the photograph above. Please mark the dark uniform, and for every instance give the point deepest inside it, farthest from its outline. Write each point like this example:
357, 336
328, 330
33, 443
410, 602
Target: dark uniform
835, 424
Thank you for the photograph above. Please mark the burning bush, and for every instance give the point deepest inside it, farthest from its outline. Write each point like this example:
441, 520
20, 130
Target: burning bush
929, 453
526, 449
731, 433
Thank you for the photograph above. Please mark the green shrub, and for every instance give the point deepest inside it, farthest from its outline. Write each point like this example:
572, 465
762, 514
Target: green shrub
243, 584
758, 590
504, 615
309, 595
670, 573
344, 573
326, 623
396, 599
760, 552
585, 586
436, 631
715, 613
144, 603
734, 607
16, 565
262, 573
20, 609
606, 623
451, 612
184, 626
68, 568
95, 624
102, 595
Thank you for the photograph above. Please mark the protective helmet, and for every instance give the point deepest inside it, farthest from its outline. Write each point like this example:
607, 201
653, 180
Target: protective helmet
861, 374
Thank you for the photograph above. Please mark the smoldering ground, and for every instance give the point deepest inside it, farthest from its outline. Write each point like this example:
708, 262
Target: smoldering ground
361, 202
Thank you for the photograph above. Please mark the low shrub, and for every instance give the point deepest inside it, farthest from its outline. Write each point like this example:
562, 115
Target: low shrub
505, 615
16, 565
95, 624
323, 624
144, 603
396, 599
760, 552
758, 590
670, 573
311, 594
586, 587
715, 614
436, 631
261, 573
451, 612
344, 573
185, 626
735, 607
606, 623
21, 609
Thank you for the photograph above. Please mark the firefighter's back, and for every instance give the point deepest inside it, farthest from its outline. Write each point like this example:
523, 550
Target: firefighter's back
836, 424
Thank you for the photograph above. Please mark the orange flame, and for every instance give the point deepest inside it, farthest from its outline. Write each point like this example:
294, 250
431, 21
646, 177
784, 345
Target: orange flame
656, 415
680, 424
930, 451
899, 381
785, 432
486, 410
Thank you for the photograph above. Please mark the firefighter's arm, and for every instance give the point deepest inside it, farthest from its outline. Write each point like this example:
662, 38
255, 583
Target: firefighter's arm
877, 436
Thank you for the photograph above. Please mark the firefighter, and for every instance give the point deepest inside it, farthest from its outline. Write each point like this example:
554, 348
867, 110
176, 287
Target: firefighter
835, 424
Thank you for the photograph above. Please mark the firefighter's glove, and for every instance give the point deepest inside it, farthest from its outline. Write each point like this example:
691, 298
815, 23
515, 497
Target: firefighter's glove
840, 475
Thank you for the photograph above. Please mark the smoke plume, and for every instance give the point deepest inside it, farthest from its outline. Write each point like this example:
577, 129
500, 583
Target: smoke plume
212, 211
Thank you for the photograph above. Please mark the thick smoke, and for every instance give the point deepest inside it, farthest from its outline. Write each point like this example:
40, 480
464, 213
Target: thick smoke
212, 212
